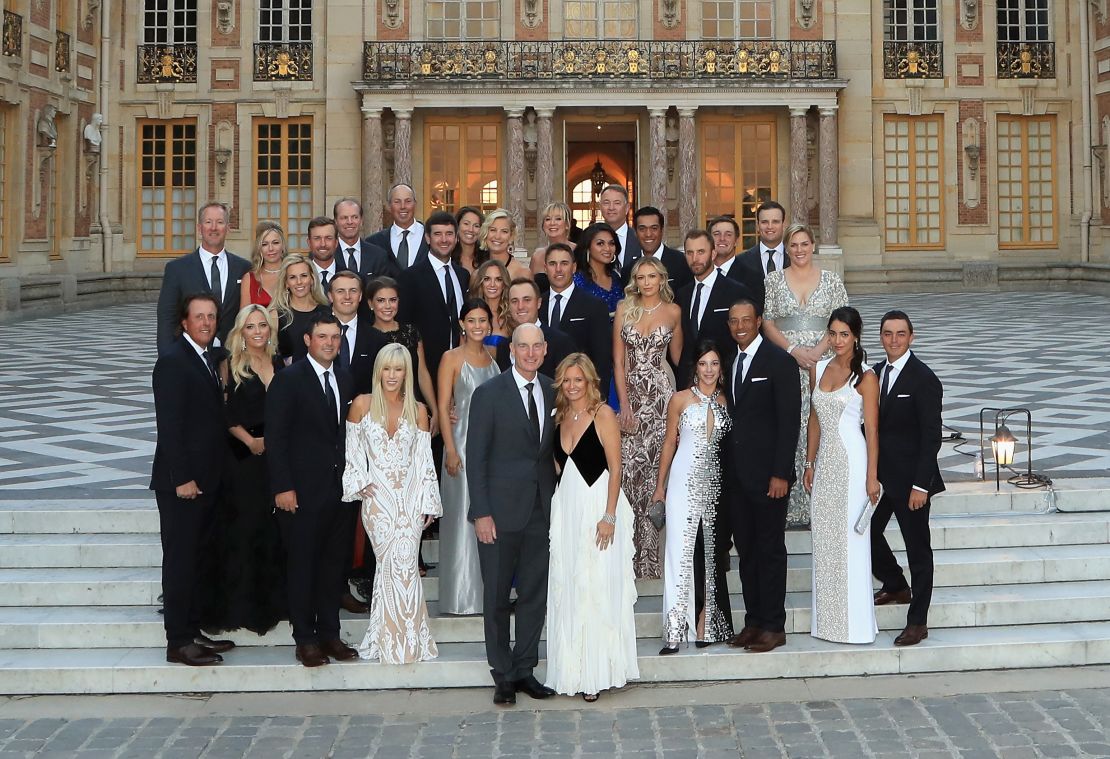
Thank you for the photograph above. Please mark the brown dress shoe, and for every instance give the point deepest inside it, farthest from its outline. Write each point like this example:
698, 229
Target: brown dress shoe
744, 637
338, 650
912, 635
352, 604
884, 597
767, 641
215, 646
193, 655
311, 655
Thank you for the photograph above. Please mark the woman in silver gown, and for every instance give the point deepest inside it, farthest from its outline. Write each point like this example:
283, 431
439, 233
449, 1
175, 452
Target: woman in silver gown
461, 370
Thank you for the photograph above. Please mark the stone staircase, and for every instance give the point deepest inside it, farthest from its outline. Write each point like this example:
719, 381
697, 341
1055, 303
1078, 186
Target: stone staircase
1017, 586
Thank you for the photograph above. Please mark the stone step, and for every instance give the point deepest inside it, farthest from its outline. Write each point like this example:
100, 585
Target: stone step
253, 669
954, 567
94, 515
141, 626
1086, 494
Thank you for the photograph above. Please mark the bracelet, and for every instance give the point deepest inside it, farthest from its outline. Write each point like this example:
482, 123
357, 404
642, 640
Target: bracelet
608, 518
809, 464
790, 348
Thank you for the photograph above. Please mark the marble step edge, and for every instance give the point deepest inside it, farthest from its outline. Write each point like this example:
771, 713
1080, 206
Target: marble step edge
144, 670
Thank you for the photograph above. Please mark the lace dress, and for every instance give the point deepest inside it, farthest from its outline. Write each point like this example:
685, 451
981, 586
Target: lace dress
802, 325
404, 478
650, 384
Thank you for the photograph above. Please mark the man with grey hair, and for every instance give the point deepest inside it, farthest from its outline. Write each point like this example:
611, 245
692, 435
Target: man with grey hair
208, 269
405, 237
614, 209
352, 253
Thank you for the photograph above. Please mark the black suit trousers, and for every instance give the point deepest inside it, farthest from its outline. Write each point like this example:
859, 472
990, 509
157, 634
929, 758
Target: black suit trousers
185, 525
316, 539
523, 553
919, 551
758, 526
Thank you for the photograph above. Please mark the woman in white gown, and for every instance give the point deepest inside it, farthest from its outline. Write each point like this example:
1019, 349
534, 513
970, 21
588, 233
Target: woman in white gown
591, 588
390, 469
841, 468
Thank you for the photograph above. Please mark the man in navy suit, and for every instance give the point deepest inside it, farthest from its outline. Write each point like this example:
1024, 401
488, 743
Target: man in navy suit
769, 253
210, 269
576, 312
189, 466
404, 238
306, 409
726, 234
614, 205
648, 224
909, 439
355, 254
525, 302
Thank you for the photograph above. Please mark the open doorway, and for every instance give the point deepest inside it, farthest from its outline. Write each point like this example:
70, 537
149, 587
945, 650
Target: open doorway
599, 153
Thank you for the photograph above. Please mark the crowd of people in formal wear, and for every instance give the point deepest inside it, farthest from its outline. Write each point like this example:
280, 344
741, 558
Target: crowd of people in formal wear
608, 410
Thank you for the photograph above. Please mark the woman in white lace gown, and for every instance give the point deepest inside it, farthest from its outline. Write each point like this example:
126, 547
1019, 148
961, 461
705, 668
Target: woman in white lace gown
591, 588
390, 469
841, 473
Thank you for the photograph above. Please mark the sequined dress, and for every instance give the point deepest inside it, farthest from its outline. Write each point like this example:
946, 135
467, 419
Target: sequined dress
802, 325
843, 605
694, 580
404, 477
650, 384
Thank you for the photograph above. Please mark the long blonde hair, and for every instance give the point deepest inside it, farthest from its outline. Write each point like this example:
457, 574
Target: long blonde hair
260, 231
239, 360
392, 355
562, 208
633, 303
593, 385
483, 233
282, 303
475, 290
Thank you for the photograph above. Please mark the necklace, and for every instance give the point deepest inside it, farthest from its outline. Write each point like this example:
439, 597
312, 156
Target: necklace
577, 414
653, 309
271, 271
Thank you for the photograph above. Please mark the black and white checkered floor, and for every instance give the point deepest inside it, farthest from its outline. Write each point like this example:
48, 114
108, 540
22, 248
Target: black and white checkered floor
77, 417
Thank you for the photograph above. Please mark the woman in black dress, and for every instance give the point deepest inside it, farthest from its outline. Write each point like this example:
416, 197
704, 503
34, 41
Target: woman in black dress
244, 566
299, 296
383, 297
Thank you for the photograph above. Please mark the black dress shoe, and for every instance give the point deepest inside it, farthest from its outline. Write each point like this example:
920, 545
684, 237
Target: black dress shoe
193, 655
215, 646
703, 643
504, 693
533, 687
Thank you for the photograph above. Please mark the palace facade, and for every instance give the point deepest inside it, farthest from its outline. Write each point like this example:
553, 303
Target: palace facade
932, 143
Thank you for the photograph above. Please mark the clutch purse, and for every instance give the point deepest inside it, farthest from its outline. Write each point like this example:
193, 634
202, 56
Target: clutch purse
864, 519
657, 513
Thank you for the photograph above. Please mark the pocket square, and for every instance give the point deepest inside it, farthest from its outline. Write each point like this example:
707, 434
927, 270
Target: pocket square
238, 281
552, 412
902, 395
719, 310
758, 379
577, 319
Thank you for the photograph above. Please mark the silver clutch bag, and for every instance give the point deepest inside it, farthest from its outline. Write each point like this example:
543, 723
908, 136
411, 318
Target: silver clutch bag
864, 519
657, 513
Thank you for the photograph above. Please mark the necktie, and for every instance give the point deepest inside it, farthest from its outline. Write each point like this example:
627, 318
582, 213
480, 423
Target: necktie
344, 347
217, 280
330, 395
324, 279
403, 249
211, 367
352, 264
452, 305
696, 310
533, 412
771, 261
557, 311
886, 382
738, 380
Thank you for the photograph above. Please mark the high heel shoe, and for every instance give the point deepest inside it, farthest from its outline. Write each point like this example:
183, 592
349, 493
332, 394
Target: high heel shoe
668, 649
703, 643
589, 698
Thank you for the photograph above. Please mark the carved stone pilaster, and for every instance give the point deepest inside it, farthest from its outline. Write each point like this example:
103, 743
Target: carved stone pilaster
659, 157
514, 195
799, 165
970, 137
545, 167
668, 15
392, 13
829, 177
804, 12
531, 13
687, 170
373, 190
969, 14
402, 146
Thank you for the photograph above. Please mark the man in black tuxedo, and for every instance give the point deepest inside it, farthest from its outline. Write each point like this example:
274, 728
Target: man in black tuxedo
769, 253
432, 291
909, 438
726, 234
584, 317
614, 204
704, 302
764, 393
359, 344
189, 466
321, 249
210, 269
306, 407
404, 239
511, 477
355, 254
525, 302
648, 224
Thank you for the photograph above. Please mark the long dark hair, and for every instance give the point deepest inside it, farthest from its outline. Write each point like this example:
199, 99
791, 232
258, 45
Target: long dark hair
850, 316
473, 304
707, 346
582, 250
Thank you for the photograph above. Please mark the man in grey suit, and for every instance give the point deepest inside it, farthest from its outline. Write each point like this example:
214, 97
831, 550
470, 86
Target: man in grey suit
209, 269
511, 471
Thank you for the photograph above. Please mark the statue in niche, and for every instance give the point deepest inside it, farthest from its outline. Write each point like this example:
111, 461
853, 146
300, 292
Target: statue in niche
46, 128
92, 134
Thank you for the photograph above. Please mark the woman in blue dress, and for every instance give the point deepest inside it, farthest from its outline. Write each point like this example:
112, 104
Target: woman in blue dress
490, 284
599, 274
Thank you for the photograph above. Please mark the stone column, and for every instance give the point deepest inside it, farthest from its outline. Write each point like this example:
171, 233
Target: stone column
373, 196
402, 146
545, 160
658, 159
514, 193
799, 165
687, 171
830, 178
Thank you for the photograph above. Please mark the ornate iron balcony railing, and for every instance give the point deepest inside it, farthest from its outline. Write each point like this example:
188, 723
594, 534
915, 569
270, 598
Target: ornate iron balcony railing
11, 41
167, 63
277, 61
913, 60
1026, 60
599, 60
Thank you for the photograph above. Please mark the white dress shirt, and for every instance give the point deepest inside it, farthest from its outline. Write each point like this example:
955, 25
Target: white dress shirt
331, 380
221, 264
352, 330
330, 270
749, 354
705, 293
438, 266
726, 267
622, 238
200, 351
765, 253
537, 393
416, 236
357, 247
562, 304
